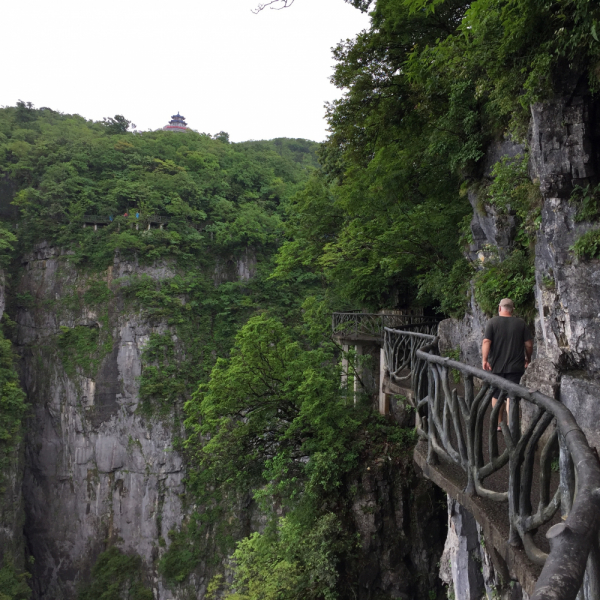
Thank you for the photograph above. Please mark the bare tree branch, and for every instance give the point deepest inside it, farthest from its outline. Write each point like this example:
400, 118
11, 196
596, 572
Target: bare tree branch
281, 3
362, 5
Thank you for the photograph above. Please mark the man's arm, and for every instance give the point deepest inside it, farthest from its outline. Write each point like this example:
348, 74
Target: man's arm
528, 351
485, 352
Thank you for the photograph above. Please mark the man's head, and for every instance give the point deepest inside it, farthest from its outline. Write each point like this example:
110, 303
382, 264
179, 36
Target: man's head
506, 307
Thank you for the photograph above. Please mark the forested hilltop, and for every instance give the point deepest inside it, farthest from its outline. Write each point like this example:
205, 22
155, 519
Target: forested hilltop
225, 261
208, 214
192, 224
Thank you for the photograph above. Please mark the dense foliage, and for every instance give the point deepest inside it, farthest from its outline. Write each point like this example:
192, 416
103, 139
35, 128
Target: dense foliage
221, 207
116, 576
13, 585
12, 410
273, 419
427, 87
215, 195
511, 192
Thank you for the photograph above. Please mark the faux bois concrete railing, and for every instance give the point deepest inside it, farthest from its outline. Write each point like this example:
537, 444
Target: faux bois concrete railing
454, 414
355, 325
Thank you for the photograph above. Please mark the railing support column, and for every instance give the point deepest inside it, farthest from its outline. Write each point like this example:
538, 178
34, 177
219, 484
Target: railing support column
345, 365
384, 401
358, 371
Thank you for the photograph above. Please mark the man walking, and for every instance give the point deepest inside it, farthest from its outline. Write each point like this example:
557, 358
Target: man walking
507, 345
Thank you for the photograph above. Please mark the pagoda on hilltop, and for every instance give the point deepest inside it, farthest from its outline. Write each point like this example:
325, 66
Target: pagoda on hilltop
177, 123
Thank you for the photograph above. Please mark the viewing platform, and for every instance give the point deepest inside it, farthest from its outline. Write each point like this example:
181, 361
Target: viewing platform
364, 334
369, 327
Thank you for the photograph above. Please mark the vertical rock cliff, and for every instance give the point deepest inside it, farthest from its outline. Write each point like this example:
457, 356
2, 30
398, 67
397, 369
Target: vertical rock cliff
101, 470
401, 521
12, 515
563, 153
97, 470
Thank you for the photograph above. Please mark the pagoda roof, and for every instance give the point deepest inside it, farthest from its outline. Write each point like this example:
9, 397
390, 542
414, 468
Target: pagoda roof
177, 123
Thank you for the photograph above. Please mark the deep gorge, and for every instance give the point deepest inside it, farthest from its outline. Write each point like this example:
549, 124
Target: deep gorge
172, 422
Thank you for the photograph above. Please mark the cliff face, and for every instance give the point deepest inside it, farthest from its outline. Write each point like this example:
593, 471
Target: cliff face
96, 470
102, 470
401, 521
564, 152
12, 516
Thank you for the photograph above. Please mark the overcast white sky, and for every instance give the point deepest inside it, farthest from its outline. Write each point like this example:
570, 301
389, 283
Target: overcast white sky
224, 68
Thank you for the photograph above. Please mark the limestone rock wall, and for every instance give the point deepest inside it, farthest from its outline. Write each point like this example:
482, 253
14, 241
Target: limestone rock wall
466, 567
564, 150
465, 334
402, 527
493, 236
96, 469
12, 515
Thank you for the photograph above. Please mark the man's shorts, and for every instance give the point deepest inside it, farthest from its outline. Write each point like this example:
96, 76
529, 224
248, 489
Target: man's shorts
513, 377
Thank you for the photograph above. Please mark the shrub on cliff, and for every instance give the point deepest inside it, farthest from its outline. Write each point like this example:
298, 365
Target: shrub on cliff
13, 585
116, 576
273, 425
12, 410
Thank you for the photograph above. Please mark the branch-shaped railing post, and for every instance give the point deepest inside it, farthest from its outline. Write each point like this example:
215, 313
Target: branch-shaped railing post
452, 419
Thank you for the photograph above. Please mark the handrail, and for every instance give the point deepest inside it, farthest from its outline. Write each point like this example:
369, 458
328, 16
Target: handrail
161, 219
95, 219
373, 324
453, 425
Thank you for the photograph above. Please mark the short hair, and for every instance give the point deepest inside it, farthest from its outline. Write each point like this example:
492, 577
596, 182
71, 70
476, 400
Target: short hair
507, 304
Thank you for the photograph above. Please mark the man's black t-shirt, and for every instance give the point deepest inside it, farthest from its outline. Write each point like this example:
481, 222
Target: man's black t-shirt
508, 336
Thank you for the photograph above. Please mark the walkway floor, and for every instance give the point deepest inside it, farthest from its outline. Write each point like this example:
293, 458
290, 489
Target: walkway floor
493, 516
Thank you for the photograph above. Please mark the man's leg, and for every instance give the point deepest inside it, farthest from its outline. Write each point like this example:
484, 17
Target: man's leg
501, 412
513, 378
507, 401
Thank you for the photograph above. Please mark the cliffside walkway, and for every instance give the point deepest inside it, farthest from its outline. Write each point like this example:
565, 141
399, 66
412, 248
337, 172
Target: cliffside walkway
505, 478
136, 219
365, 333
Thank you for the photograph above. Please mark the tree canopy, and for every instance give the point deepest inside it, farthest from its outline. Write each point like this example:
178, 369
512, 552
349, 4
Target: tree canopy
426, 89
226, 196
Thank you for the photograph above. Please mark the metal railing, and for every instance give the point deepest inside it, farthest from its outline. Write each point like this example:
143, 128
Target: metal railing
454, 418
355, 324
109, 219
95, 219
145, 219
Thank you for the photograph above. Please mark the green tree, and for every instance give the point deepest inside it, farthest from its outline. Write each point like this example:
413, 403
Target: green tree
117, 124
426, 88
116, 576
273, 420
13, 584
